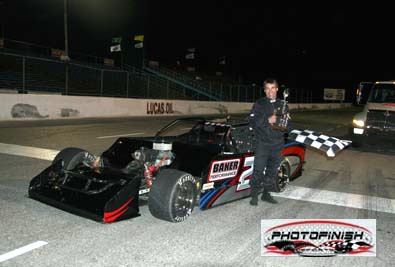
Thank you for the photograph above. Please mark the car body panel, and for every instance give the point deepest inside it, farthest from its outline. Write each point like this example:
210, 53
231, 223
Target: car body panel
219, 155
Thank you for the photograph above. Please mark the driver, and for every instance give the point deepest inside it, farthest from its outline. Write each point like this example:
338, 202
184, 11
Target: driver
269, 143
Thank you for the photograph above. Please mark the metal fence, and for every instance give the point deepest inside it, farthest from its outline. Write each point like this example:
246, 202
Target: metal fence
32, 74
35, 50
237, 92
220, 91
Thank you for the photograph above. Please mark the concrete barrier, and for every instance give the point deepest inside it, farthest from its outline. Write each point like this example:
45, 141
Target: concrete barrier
31, 106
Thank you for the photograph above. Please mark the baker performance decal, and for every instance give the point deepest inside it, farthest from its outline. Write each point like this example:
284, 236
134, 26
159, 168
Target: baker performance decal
223, 169
318, 238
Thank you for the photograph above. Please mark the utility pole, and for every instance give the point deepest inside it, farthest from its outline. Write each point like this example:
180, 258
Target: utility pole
2, 6
66, 57
66, 38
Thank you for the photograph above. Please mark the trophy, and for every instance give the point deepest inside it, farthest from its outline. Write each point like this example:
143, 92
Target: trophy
283, 114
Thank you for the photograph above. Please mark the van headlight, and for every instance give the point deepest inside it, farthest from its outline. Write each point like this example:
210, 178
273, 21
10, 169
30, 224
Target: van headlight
358, 123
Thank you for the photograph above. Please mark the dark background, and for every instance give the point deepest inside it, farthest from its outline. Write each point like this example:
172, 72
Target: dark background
320, 45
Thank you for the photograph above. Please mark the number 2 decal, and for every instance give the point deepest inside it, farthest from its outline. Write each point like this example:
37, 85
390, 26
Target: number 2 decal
244, 180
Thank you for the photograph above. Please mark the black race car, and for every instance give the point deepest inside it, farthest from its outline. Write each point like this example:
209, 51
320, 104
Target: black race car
191, 161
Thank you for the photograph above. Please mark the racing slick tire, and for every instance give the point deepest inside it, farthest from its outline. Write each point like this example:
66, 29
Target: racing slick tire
71, 156
284, 172
173, 195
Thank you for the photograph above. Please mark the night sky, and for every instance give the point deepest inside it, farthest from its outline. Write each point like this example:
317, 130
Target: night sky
314, 46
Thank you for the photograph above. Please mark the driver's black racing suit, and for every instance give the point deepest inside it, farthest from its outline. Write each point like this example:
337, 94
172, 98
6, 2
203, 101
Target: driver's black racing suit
269, 144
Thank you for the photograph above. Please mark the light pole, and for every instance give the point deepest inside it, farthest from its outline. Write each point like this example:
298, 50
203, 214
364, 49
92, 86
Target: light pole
66, 57
66, 39
2, 6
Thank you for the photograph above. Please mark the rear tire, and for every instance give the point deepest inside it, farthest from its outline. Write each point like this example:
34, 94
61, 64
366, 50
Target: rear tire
173, 195
283, 176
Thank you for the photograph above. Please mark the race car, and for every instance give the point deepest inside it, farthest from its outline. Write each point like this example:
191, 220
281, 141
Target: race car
189, 162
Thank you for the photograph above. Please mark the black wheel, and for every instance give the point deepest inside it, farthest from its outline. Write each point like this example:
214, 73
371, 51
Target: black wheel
72, 156
172, 196
284, 173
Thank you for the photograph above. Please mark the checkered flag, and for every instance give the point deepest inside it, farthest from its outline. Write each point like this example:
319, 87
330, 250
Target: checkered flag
329, 145
347, 246
332, 244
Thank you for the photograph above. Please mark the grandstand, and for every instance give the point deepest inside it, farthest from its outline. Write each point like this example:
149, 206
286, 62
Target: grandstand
29, 68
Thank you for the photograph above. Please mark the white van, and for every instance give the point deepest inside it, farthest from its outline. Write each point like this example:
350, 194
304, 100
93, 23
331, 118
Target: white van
378, 115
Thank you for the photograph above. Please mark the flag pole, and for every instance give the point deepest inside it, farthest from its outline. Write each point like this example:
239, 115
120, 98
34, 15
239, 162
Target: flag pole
121, 53
143, 56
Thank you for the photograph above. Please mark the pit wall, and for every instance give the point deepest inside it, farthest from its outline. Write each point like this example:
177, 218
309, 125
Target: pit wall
33, 106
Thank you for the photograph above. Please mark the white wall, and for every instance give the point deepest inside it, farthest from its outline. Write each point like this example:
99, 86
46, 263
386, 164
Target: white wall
31, 106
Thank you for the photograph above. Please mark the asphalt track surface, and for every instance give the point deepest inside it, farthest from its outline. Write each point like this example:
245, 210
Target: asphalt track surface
356, 184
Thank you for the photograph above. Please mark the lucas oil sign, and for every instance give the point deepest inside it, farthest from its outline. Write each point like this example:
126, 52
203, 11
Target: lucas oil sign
159, 108
223, 169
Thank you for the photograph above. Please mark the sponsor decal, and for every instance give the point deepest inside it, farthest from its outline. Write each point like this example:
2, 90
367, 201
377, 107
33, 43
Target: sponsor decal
186, 178
159, 108
318, 238
208, 186
223, 169
181, 181
334, 94
178, 218
144, 191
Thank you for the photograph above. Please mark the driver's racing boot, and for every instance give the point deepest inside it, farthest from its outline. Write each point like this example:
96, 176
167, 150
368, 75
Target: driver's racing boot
254, 197
267, 197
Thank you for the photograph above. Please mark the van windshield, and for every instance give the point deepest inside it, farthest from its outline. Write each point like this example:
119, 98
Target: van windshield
382, 93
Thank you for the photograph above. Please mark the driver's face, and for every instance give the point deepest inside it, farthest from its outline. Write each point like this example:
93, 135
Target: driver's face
271, 90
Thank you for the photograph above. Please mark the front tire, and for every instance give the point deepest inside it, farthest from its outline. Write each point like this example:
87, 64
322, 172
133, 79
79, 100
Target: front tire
173, 195
72, 157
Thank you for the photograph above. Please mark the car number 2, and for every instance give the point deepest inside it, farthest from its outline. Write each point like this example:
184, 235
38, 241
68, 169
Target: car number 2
244, 180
